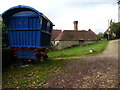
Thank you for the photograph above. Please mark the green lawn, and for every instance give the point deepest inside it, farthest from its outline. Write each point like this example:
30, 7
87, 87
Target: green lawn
80, 50
34, 76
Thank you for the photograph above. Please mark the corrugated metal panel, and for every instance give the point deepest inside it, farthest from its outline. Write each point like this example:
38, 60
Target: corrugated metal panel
30, 39
24, 32
16, 23
34, 23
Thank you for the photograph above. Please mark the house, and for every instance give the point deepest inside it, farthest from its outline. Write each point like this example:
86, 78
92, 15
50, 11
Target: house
75, 37
108, 34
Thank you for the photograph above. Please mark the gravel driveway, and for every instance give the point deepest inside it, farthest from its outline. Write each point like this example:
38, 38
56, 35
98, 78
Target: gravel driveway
100, 71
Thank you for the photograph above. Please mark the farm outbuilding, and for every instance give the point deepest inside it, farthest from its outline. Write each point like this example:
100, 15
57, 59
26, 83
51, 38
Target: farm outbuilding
55, 34
75, 37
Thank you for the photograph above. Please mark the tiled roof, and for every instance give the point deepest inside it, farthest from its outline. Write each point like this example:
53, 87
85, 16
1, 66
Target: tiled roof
55, 34
92, 33
76, 35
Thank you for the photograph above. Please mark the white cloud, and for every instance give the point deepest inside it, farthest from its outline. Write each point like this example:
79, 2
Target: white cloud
95, 18
63, 12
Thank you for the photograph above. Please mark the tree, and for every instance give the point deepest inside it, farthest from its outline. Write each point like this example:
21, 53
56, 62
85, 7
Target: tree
100, 35
4, 35
115, 30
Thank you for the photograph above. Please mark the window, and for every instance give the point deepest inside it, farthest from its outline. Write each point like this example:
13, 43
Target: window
48, 26
41, 21
44, 24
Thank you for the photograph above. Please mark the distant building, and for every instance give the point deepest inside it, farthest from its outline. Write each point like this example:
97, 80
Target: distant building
55, 34
75, 37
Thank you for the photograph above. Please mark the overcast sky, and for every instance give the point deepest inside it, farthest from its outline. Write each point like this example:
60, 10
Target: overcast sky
93, 14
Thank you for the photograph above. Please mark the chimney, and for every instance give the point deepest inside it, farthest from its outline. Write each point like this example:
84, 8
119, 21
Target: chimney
75, 25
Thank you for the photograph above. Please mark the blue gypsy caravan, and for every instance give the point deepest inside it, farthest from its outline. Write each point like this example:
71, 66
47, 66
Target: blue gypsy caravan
29, 32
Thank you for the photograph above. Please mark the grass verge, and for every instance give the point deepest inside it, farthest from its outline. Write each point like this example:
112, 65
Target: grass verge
80, 50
